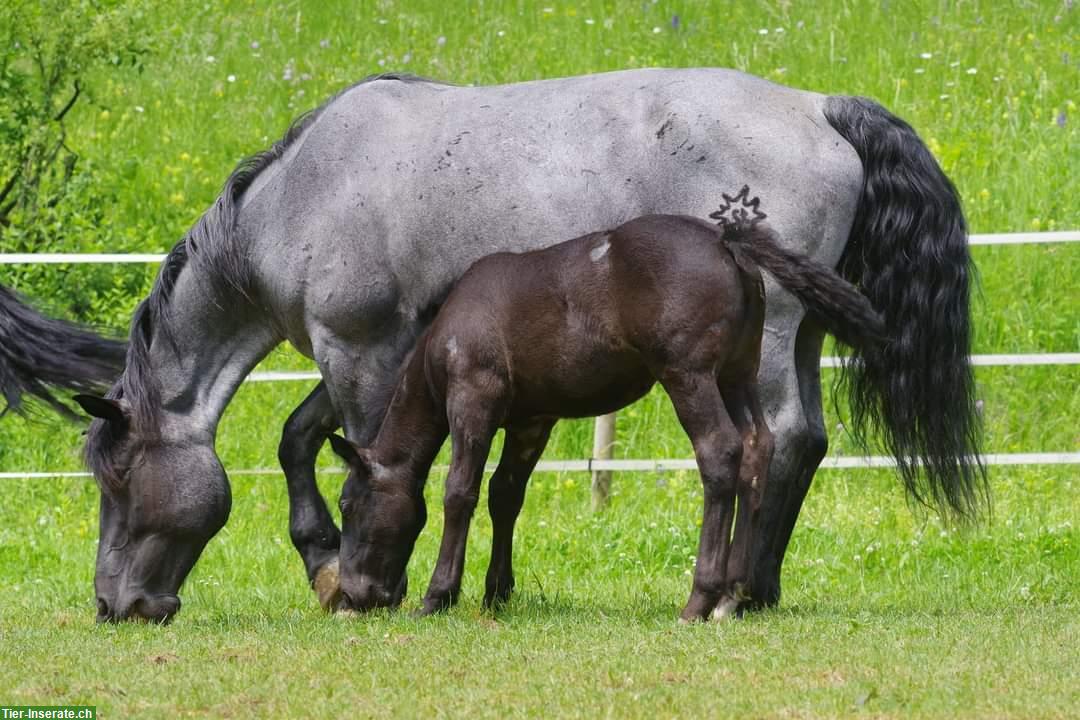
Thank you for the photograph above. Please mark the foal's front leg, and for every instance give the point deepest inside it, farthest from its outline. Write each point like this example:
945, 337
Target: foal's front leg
506, 494
718, 449
470, 439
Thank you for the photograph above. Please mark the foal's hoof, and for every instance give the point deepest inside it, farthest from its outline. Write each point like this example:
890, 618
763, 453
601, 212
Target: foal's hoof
726, 609
327, 586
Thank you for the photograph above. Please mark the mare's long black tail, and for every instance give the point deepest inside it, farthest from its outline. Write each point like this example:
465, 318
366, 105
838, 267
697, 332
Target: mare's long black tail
40, 355
908, 253
834, 302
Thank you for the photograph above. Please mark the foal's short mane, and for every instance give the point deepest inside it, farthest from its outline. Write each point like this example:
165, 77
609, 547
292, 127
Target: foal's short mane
221, 260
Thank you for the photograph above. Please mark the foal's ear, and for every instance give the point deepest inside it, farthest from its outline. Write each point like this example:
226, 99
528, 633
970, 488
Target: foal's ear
348, 451
99, 407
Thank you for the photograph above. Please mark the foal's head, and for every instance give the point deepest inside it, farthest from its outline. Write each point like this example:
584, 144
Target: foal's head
382, 514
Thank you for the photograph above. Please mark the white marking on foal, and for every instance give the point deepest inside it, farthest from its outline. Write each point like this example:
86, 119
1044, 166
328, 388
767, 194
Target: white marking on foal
725, 609
599, 251
451, 346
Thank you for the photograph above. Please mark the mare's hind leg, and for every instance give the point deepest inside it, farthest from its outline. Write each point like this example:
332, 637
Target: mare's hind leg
472, 427
718, 449
311, 527
506, 494
744, 405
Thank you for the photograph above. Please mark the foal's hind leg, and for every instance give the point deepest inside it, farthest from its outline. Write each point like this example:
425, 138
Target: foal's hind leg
506, 493
718, 449
744, 405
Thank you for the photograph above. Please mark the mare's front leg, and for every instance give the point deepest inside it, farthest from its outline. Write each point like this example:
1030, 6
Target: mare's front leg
744, 406
311, 527
718, 449
506, 494
472, 428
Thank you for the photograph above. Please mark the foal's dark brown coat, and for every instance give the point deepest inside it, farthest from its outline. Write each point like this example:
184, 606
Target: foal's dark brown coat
580, 329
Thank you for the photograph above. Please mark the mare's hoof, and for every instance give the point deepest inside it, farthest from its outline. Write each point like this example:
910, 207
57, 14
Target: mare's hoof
327, 586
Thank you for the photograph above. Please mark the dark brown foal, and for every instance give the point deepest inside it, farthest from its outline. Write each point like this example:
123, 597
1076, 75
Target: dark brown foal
575, 330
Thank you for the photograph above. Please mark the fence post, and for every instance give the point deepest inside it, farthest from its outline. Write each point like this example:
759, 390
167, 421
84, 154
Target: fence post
603, 441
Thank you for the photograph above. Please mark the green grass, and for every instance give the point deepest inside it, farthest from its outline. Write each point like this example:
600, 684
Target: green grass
885, 612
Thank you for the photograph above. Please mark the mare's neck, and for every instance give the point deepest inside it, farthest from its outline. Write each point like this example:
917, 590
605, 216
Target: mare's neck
415, 426
202, 349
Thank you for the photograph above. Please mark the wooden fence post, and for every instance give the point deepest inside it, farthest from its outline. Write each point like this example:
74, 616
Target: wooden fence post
603, 441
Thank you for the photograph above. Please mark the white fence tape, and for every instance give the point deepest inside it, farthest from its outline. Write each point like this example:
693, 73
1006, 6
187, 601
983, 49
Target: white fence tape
832, 462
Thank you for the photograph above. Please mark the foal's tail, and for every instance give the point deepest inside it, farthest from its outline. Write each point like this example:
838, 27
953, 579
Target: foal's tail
835, 303
40, 355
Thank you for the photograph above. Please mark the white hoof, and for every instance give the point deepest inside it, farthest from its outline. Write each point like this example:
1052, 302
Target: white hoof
725, 609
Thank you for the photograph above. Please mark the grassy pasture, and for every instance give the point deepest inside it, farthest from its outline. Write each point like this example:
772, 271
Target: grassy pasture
886, 613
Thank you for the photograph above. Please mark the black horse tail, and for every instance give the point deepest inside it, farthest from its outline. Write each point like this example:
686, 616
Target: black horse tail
40, 355
908, 252
835, 303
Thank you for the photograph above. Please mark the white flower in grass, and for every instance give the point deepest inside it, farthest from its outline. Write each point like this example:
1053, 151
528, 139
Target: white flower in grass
441, 40
972, 71
406, 58
954, 64
254, 44
501, 33
656, 31
920, 71
926, 56
590, 21
231, 78
211, 59
763, 31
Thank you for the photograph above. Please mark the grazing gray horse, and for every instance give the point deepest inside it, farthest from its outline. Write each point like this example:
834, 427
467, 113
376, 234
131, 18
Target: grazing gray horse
344, 238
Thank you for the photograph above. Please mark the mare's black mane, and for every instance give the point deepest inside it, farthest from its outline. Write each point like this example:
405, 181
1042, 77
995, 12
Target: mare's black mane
213, 251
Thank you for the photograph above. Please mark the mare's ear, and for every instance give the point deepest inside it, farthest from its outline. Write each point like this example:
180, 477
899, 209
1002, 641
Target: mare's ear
348, 451
99, 407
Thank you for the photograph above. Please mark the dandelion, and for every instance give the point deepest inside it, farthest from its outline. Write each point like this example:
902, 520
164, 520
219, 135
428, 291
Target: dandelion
231, 78
1036, 224
104, 115
184, 157
177, 198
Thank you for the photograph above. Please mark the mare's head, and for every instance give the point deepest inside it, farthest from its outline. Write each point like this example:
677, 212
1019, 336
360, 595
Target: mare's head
380, 522
161, 502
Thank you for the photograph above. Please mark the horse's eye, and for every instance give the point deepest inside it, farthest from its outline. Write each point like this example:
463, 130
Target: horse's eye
346, 507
